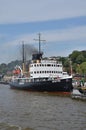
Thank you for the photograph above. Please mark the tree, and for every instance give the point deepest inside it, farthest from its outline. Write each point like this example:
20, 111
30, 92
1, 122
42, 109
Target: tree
3, 68
83, 68
74, 56
80, 58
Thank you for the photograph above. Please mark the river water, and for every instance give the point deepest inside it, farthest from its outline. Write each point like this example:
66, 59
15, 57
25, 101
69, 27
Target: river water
23, 110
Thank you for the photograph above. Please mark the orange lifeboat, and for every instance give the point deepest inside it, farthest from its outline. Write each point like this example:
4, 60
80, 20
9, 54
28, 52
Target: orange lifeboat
16, 71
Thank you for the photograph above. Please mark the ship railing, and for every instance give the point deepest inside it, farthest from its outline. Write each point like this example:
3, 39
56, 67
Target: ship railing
27, 80
16, 79
51, 61
55, 78
31, 79
48, 61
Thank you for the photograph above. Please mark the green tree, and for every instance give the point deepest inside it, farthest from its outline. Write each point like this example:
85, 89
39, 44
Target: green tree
80, 58
83, 68
3, 68
74, 56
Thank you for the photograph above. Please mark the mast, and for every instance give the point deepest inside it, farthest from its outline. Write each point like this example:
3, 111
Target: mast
39, 39
23, 52
23, 57
39, 43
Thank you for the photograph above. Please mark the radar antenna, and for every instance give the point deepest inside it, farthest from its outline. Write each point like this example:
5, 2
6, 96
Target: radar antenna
39, 39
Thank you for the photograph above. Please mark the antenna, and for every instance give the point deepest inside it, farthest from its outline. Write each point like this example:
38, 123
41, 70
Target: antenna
39, 39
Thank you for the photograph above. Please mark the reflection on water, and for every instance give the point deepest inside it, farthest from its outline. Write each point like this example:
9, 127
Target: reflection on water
22, 110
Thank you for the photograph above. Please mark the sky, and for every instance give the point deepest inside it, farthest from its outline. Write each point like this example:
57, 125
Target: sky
61, 23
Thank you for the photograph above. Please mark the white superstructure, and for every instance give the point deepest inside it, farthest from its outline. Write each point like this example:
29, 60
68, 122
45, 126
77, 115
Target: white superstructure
46, 69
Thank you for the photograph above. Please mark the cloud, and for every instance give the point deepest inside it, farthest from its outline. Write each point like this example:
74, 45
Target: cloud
16, 11
69, 34
58, 42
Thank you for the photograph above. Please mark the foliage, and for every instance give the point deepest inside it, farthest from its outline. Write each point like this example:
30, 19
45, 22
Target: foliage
83, 68
74, 56
78, 59
3, 68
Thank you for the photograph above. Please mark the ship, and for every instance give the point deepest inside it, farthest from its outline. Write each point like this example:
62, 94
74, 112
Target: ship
45, 75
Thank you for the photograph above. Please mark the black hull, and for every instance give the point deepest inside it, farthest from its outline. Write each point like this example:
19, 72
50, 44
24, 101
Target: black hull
65, 85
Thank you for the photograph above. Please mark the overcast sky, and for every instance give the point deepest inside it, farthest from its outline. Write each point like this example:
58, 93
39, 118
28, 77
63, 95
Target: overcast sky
62, 23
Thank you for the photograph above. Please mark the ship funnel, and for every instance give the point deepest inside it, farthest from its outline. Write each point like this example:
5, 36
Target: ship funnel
37, 56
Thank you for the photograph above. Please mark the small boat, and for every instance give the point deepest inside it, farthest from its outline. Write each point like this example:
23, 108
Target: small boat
76, 94
44, 75
82, 89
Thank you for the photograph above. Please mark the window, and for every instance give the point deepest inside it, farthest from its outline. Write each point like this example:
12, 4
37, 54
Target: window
48, 64
31, 65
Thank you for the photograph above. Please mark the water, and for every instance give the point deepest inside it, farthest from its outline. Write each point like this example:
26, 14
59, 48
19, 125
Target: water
22, 110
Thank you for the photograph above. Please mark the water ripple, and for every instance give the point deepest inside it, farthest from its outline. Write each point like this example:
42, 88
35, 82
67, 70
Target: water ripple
22, 110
